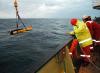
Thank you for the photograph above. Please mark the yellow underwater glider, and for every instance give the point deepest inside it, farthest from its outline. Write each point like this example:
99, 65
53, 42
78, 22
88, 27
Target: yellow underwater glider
19, 21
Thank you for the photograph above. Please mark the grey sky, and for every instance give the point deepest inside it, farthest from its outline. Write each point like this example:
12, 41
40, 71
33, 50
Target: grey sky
48, 8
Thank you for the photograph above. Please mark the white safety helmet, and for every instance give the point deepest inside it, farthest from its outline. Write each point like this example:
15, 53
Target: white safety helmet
86, 17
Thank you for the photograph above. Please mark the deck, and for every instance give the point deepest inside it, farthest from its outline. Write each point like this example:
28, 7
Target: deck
90, 68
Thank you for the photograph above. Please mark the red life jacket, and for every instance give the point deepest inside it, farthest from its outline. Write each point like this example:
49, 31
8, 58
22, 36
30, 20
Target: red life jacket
90, 26
94, 30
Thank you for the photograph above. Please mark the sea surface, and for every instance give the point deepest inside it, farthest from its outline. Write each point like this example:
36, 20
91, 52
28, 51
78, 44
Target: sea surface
26, 52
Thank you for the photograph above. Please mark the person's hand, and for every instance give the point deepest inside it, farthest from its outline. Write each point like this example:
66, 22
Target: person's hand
72, 33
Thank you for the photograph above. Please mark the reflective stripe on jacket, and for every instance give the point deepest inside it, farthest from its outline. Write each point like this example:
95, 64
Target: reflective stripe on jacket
82, 33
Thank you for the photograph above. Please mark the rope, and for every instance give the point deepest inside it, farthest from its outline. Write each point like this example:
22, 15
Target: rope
17, 15
21, 21
64, 66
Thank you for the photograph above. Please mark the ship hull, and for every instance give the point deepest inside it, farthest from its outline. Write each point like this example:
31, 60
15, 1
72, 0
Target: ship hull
61, 62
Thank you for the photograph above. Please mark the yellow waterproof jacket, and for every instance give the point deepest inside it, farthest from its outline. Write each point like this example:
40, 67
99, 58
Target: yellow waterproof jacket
82, 33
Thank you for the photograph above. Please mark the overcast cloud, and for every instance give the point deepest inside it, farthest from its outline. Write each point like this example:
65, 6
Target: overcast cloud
48, 8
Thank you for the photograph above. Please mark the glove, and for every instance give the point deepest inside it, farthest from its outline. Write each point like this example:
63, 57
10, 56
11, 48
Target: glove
72, 33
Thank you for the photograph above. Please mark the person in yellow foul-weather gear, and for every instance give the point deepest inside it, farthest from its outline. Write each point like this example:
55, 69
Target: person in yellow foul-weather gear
83, 37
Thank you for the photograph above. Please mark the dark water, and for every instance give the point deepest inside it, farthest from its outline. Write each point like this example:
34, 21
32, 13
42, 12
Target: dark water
26, 52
